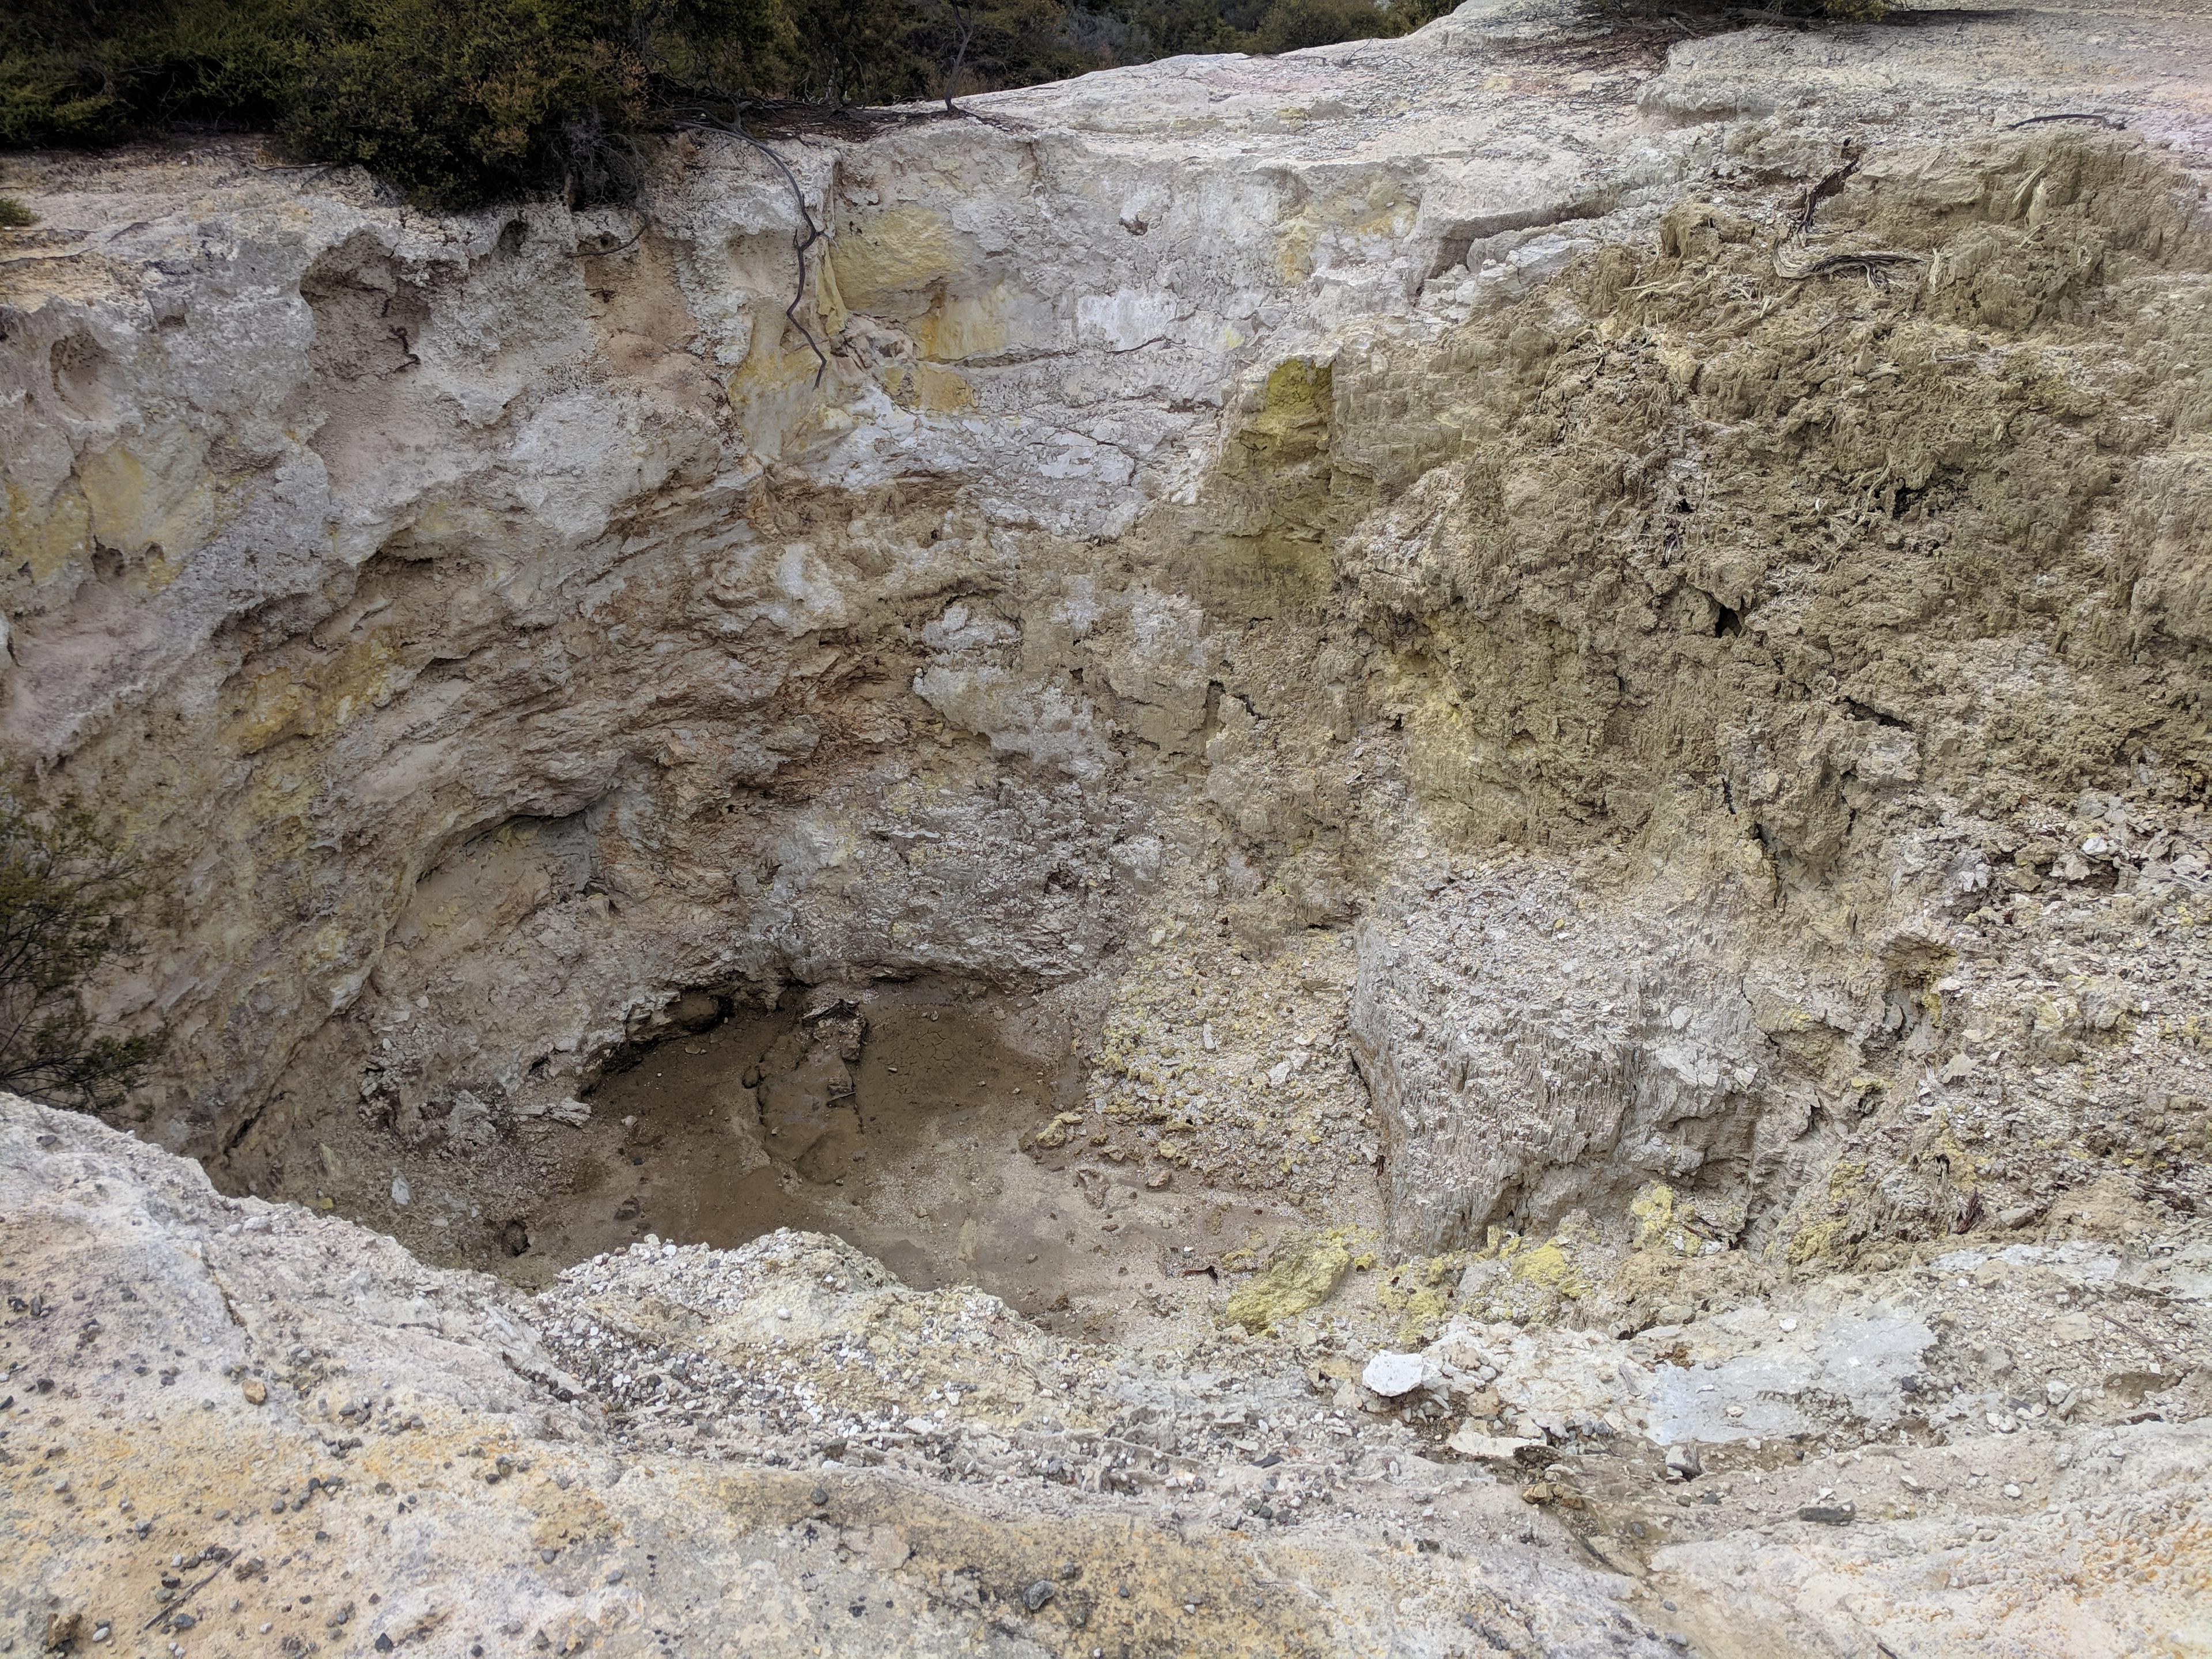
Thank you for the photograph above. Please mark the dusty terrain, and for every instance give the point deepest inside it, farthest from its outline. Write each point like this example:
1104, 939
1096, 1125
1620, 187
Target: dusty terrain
1420, 863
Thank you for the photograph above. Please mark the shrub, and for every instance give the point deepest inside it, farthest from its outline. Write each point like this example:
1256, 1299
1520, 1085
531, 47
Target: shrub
1168, 26
462, 101
457, 101
67, 887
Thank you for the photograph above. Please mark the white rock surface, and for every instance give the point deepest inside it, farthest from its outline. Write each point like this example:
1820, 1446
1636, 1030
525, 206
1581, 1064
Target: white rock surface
1391, 1374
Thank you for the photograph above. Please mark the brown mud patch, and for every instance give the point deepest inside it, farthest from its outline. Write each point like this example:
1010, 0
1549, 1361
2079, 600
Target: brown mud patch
904, 1123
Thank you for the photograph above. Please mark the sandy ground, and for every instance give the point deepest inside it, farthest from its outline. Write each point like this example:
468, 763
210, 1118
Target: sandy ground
924, 1166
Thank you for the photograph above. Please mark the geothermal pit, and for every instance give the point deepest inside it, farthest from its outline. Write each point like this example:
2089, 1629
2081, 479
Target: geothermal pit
1420, 870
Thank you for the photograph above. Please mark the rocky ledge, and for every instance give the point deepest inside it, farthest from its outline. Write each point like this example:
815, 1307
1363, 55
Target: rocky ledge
233, 1426
1559, 668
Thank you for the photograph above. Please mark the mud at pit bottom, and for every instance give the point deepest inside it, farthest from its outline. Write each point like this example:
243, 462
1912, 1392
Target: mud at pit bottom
896, 1121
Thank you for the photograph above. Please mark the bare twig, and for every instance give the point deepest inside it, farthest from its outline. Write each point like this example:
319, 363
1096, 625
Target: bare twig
1831, 185
735, 128
2070, 115
177, 1606
608, 252
1868, 262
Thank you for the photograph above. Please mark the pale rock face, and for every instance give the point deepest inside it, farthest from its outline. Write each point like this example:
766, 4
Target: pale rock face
1731, 692
348, 1436
1392, 1374
430, 587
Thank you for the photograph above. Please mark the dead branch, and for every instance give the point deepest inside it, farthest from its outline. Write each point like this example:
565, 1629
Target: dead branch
2070, 115
1873, 263
735, 128
1868, 262
965, 21
1831, 185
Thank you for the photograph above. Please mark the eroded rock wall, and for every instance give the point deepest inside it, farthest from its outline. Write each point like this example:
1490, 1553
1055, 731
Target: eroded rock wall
1252, 496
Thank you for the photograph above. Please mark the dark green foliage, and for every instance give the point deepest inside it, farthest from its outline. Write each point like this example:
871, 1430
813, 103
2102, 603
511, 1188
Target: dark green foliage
456, 101
1166, 28
91, 71
459, 102
855, 51
66, 890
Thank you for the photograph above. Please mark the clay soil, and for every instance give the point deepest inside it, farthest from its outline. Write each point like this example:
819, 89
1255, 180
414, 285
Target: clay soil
929, 1163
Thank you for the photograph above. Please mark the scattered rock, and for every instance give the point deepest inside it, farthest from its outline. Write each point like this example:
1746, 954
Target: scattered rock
1469, 1442
1393, 1375
1303, 1273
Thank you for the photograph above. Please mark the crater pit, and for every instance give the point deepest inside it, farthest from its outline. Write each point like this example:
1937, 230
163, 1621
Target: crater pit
1410, 787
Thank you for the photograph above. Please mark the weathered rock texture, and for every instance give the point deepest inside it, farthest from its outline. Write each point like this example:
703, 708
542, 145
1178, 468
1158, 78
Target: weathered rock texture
1651, 599
236, 1426
1278, 472
232, 1425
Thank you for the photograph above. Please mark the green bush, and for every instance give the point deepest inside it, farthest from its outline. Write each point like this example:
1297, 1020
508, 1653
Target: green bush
459, 102
1165, 27
456, 101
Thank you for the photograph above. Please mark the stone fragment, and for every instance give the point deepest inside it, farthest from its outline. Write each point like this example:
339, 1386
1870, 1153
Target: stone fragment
1303, 1273
1056, 1133
1391, 1374
1469, 1441
255, 1390
1615, 1554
